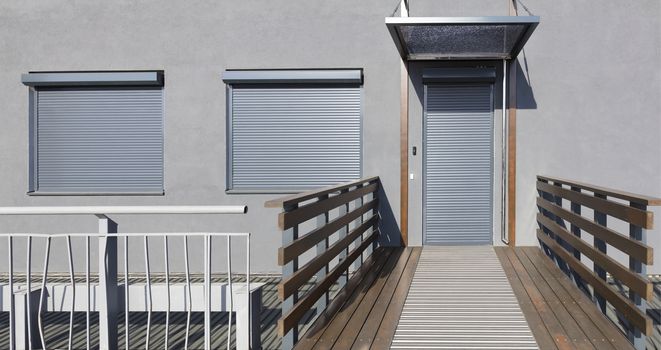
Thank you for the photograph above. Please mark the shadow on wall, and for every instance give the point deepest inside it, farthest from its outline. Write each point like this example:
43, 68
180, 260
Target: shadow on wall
390, 233
525, 98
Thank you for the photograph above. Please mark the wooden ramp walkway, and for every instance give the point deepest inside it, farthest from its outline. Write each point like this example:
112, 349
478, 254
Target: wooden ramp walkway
559, 314
463, 298
460, 298
367, 317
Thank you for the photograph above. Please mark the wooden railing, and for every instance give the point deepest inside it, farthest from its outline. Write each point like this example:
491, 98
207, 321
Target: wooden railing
567, 247
331, 264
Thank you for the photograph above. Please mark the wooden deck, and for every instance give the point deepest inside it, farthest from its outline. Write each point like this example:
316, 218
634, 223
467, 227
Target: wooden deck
368, 316
558, 313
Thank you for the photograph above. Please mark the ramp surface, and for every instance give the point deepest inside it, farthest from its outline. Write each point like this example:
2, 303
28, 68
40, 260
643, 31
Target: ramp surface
460, 298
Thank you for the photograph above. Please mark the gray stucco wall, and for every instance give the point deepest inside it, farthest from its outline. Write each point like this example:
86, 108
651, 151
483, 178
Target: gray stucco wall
193, 42
590, 102
589, 92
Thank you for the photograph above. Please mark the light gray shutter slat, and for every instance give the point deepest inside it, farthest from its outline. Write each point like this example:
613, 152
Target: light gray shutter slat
458, 163
102, 140
295, 137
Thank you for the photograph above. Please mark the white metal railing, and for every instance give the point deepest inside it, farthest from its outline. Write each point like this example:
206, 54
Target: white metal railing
107, 297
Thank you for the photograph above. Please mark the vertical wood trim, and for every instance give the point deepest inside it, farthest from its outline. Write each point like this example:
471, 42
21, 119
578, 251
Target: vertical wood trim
404, 153
511, 147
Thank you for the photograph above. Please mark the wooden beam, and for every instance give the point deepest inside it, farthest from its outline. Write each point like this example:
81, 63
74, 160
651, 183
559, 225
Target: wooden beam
627, 196
290, 320
630, 311
301, 197
634, 281
404, 153
301, 214
302, 244
621, 211
631, 247
292, 283
511, 156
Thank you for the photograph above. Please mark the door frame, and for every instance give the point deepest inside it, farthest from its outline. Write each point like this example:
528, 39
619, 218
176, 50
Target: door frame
411, 131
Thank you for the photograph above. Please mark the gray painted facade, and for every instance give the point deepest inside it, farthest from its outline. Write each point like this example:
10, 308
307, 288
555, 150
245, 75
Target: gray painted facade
589, 96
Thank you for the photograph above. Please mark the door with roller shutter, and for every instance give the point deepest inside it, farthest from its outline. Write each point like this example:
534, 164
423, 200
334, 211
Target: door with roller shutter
458, 162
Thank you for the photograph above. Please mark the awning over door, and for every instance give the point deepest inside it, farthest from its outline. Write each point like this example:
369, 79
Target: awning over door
432, 38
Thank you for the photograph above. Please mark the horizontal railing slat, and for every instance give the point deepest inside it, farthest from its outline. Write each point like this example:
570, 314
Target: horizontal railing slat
632, 247
628, 196
300, 277
636, 282
289, 219
624, 212
290, 320
306, 242
345, 204
302, 197
622, 304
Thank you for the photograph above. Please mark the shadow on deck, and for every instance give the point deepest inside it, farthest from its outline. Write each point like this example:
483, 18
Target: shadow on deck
367, 316
558, 313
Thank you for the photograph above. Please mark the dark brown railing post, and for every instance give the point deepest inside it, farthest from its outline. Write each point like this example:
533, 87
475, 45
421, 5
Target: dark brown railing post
576, 209
600, 245
549, 251
640, 234
322, 246
288, 236
358, 222
375, 212
307, 286
559, 241
343, 210
558, 201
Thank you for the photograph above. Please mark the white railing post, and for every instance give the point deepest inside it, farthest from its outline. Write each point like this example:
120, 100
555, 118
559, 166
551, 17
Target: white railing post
108, 293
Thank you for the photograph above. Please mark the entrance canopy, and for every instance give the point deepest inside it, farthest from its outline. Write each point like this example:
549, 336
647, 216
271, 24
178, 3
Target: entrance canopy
433, 38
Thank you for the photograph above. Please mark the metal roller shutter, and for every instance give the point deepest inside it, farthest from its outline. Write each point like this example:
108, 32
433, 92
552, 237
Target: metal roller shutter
287, 137
98, 140
458, 163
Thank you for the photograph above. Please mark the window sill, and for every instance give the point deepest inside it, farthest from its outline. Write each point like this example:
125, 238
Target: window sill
264, 191
44, 194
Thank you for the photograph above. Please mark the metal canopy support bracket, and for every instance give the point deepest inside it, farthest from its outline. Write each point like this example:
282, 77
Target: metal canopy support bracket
108, 292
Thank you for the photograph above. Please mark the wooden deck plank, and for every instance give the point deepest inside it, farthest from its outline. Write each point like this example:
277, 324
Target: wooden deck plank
333, 330
386, 331
592, 332
542, 308
377, 315
350, 332
339, 311
542, 336
612, 333
566, 317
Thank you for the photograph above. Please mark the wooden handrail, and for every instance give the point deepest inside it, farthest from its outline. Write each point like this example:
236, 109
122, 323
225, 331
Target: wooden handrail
291, 218
627, 245
566, 245
331, 264
302, 197
621, 211
301, 245
291, 284
627, 196
621, 304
